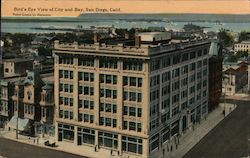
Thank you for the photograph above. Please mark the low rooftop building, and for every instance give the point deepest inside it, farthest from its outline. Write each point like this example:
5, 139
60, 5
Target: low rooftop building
17, 66
244, 46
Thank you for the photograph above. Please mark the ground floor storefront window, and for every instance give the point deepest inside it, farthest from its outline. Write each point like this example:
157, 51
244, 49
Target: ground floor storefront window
132, 144
175, 128
65, 132
154, 142
86, 136
165, 134
109, 140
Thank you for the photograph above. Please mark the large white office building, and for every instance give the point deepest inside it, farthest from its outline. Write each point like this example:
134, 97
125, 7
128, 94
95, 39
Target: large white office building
129, 99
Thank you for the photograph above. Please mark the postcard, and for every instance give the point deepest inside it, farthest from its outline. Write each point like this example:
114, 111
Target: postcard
125, 79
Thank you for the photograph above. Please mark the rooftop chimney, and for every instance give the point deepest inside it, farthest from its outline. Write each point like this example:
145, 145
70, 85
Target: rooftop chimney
96, 37
126, 35
137, 41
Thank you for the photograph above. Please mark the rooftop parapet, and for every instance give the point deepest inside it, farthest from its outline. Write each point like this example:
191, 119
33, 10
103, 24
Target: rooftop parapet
142, 50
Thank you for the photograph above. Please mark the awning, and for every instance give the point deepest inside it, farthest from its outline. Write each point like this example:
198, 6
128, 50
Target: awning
23, 124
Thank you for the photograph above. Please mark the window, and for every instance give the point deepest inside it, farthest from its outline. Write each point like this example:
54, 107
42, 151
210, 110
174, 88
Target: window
114, 79
155, 80
139, 97
86, 76
86, 104
132, 144
86, 117
108, 79
192, 55
108, 122
114, 108
91, 118
71, 102
192, 66
66, 74
204, 62
71, 88
66, 132
139, 82
132, 126
86, 90
185, 57
176, 59
71, 75
205, 51
71, 115
89, 62
108, 108
139, 112
166, 61
184, 69
109, 140
199, 64
132, 96
132, 111
132, 81
107, 63
165, 76
176, 73
80, 103
199, 53
175, 98
125, 110
108, 93
132, 65
66, 88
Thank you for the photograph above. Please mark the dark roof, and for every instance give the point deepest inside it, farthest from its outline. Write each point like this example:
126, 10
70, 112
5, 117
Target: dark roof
16, 60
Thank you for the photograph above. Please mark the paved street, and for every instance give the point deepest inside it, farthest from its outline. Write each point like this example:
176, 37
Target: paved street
13, 149
229, 139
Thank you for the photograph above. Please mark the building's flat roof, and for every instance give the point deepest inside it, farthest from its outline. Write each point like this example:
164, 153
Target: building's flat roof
144, 51
16, 60
152, 33
48, 77
244, 42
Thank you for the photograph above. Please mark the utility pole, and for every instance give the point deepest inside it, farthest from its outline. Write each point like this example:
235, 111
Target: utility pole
17, 109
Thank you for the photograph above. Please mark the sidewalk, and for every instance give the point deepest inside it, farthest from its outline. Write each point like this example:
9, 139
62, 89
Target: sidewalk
190, 138
186, 141
243, 97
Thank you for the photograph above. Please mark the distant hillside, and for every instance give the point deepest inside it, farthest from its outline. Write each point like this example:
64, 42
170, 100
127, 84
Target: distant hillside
171, 17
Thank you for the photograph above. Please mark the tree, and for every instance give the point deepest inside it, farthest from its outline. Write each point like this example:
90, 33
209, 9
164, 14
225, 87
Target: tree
21, 38
244, 36
242, 54
44, 51
225, 38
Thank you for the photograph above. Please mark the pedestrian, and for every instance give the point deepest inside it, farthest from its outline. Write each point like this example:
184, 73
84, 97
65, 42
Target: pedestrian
111, 152
118, 153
